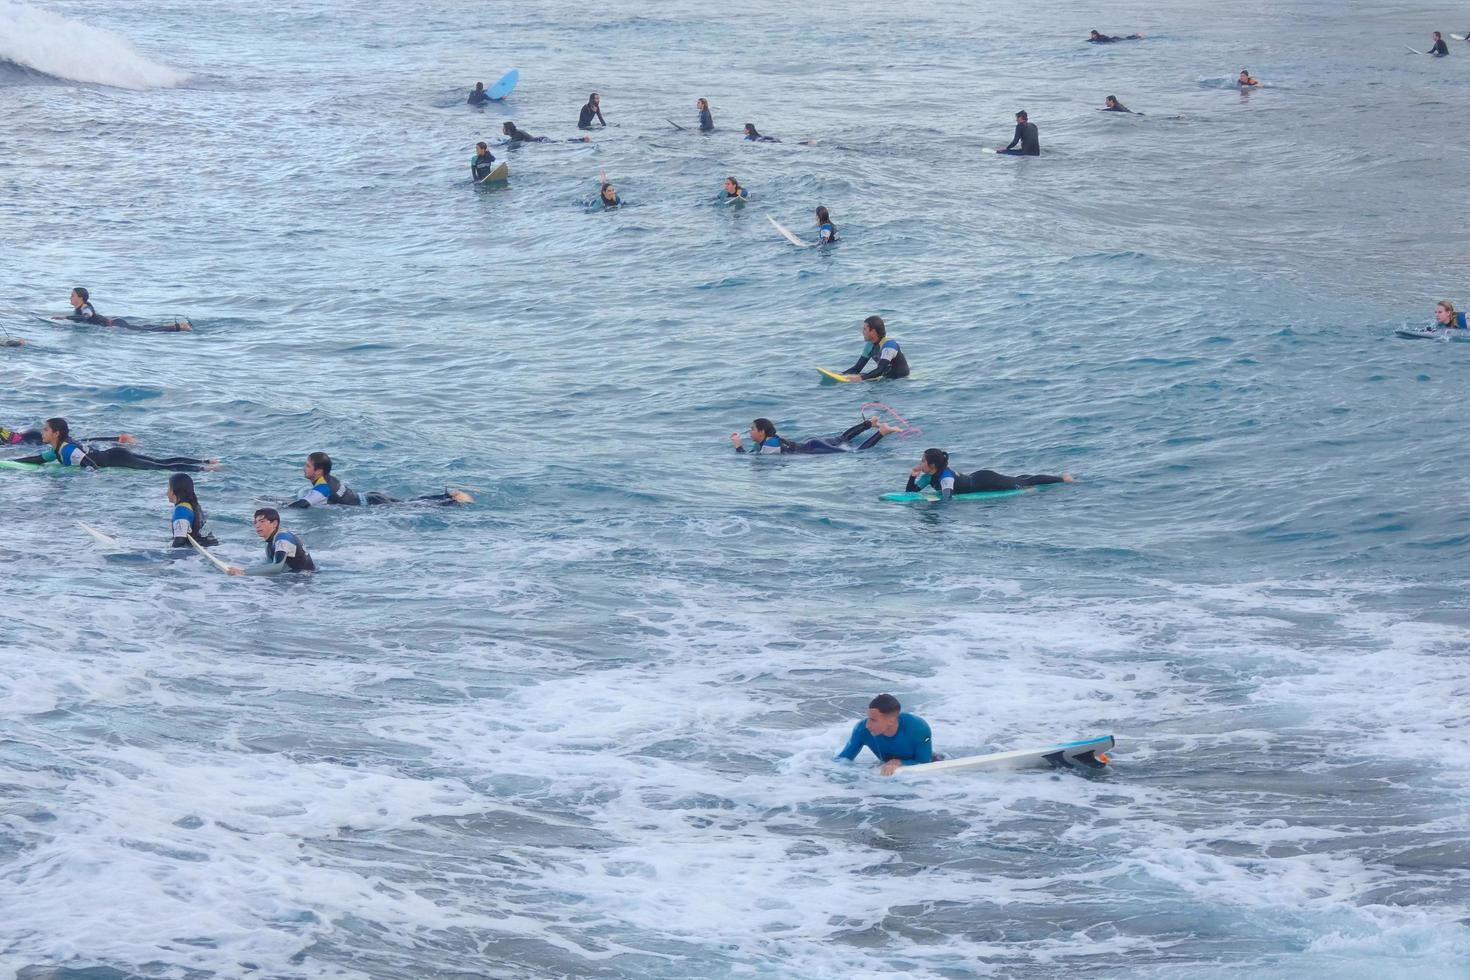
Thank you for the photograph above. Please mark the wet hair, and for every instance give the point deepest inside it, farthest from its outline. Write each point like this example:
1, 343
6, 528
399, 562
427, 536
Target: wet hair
824, 218
766, 426
702, 103
59, 426
1244, 72
1111, 98
750, 130
877, 325
1093, 33
479, 86
1022, 115
182, 485
1437, 36
732, 180
592, 97
607, 186
885, 704
481, 146
937, 458
320, 462
1448, 307
82, 292
270, 514
508, 128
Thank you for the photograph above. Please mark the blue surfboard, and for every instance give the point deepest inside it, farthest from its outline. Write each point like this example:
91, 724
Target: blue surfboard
503, 87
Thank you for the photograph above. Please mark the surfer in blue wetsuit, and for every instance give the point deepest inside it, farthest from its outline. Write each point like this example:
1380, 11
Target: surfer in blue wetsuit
518, 135
608, 196
188, 517
1111, 104
826, 230
1439, 50
482, 163
934, 471
32, 437
882, 350
1026, 137
733, 191
61, 450
1096, 38
82, 312
706, 121
754, 137
896, 737
326, 489
592, 110
767, 442
284, 550
478, 96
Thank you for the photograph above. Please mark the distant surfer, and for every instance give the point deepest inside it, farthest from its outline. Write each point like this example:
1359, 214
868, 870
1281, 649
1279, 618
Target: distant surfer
706, 121
32, 437
482, 164
284, 550
188, 517
1440, 49
752, 136
478, 96
896, 737
83, 312
882, 350
59, 448
518, 135
767, 442
327, 489
1244, 80
826, 230
608, 195
934, 471
1096, 38
1026, 138
1111, 104
592, 110
733, 191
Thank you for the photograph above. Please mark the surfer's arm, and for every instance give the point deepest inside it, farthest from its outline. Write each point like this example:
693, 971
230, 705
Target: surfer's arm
33, 460
856, 368
917, 482
854, 744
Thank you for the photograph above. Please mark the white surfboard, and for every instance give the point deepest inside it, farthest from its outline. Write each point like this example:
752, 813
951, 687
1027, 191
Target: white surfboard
1069, 755
787, 232
105, 540
1458, 37
500, 173
1412, 50
205, 552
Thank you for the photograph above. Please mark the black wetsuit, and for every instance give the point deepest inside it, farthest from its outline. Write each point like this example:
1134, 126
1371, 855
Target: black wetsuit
589, 111
329, 490
1106, 39
706, 121
116, 458
481, 166
948, 482
1119, 107
1026, 136
32, 437
478, 97
1440, 49
518, 135
887, 357
817, 447
86, 314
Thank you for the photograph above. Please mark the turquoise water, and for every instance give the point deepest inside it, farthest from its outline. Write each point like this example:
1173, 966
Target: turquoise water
583, 727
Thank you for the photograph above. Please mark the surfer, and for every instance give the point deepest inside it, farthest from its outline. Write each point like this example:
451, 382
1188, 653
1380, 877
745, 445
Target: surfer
1096, 38
733, 191
60, 449
593, 109
518, 135
826, 230
32, 437
82, 312
896, 737
752, 136
1026, 136
482, 163
706, 121
933, 471
478, 96
1440, 49
767, 442
327, 489
882, 350
1246, 81
608, 196
188, 519
1111, 104
284, 551
1446, 317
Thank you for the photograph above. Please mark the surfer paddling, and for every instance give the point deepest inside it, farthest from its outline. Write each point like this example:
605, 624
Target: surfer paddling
896, 737
767, 442
284, 551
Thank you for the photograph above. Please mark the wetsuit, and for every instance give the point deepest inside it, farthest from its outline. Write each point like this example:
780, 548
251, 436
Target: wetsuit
912, 744
481, 166
1118, 107
949, 483
116, 458
183, 526
818, 447
616, 202
706, 121
740, 195
827, 232
1105, 39
1026, 136
888, 358
518, 135
86, 314
758, 138
284, 552
478, 97
328, 490
589, 112
32, 437
1440, 49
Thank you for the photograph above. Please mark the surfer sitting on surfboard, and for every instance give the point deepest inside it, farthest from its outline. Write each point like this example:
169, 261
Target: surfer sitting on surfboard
1246, 81
826, 230
593, 109
326, 489
933, 471
882, 350
60, 449
733, 191
518, 135
1440, 49
482, 162
284, 551
1025, 137
763, 434
82, 312
896, 737
706, 121
478, 96
188, 519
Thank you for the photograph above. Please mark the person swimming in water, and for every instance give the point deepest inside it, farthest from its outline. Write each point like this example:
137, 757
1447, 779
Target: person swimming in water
934, 471
518, 135
82, 312
32, 437
1095, 38
1446, 317
188, 518
326, 489
1026, 136
706, 121
767, 442
752, 136
1244, 80
478, 96
592, 110
896, 737
482, 164
733, 191
284, 550
826, 230
61, 450
882, 350
1440, 49
608, 196
1111, 104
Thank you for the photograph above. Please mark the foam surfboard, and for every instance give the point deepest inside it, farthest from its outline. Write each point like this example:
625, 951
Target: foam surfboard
1434, 333
833, 378
1090, 753
1413, 50
505, 86
105, 540
787, 233
205, 552
500, 173
10, 464
1459, 37
933, 498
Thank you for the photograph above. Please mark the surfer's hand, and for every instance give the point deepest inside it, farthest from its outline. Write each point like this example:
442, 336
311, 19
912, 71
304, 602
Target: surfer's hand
124, 439
889, 768
735, 438
235, 570
915, 472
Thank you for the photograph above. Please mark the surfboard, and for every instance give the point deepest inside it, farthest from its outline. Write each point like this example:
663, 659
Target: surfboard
675, 125
10, 464
787, 233
933, 498
1413, 50
105, 540
833, 378
1459, 37
504, 87
1090, 753
499, 174
1459, 334
205, 552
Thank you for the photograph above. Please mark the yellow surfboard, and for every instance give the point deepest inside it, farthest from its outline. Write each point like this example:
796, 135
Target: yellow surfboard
832, 377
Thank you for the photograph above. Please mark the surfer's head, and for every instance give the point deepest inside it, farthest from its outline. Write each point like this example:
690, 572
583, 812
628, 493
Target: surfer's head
54, 432
822, 216
317, 465
79, 295
1093, 35
1444, 313
732, 186
1111, 102
874, 329
479, 86
883, 715
934, 460
1021, 116
750, 130
762, 429
593, 99
701, 104
481, 149
267, 521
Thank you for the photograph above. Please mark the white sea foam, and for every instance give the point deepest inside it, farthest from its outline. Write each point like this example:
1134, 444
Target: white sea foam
49, 43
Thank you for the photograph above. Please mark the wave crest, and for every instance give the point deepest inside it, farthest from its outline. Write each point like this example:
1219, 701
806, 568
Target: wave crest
38, 42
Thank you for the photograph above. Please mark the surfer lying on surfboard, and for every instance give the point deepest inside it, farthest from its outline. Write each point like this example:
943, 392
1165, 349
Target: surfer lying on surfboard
82, 312
188, 517
284, 551
61, 450
882, 350
518, 135
767, 442
896, 737
934, 471
326, 489
1244, 80
32, 437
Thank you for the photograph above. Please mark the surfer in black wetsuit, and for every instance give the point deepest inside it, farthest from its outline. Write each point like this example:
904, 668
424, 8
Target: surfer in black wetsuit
933, 471
60, 449
763, 434
284, 550
593, 109
882, 350
1244, 80
478, 96
482, 163
706, 121
188, 516
327, 489
752, 136
1026, 136
608, 196
518, 135
1439, 50
82, 312
1111, 104
32, 437
1096, 38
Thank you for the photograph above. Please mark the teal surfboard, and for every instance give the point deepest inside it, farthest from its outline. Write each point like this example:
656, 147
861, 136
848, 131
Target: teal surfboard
933, 498
505, 86
10, 464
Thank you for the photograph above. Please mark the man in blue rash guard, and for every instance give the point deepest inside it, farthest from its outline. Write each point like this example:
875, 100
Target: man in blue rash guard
284, 551
895, 737
482, 163
933, 471
767, 442
706, 121
327, 489
83, 312
1026, 136
882, 350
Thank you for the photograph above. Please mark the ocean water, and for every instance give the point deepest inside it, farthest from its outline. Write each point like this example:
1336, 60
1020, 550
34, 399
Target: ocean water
584, 727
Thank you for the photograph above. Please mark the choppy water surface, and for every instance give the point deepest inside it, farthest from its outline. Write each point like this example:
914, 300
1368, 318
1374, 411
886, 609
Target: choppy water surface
583, 728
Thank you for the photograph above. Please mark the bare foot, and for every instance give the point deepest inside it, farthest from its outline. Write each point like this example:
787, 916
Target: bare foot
887, 429
460, 497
